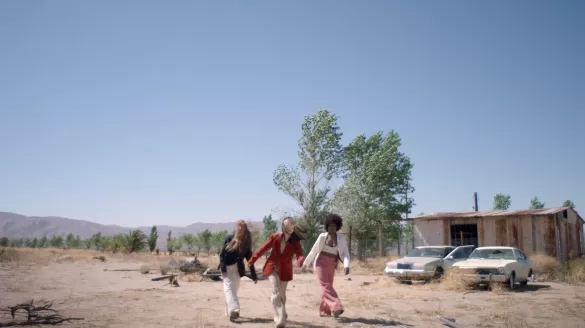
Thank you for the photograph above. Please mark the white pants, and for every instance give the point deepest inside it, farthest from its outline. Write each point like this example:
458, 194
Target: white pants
231, 284
278, 298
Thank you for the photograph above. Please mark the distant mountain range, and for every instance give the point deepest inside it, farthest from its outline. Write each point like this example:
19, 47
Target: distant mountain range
16, 226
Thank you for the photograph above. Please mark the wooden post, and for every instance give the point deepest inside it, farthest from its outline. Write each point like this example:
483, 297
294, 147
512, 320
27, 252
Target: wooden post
380, 238
399, 239
349, 241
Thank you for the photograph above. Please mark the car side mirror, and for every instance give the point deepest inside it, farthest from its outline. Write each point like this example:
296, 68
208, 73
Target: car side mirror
449, 258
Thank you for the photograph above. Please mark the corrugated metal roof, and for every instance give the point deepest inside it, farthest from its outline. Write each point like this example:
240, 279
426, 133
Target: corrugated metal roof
479, 214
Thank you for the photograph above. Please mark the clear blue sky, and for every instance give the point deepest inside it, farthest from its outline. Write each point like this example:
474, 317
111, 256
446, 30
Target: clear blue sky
143, 112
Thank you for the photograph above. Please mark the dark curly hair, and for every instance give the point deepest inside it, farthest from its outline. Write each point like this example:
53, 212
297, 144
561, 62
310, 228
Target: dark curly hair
333, 219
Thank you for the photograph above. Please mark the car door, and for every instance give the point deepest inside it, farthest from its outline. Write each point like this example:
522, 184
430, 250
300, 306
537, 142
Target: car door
522, 265
459, 254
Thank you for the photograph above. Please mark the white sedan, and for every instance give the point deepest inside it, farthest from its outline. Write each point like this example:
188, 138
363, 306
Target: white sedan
496, 264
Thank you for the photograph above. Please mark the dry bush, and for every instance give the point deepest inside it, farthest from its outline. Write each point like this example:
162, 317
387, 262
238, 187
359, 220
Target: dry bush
374, 266
575, 271
164, 268
455, 282
191, 277
101, 258
144, 269
8, 254
548, 268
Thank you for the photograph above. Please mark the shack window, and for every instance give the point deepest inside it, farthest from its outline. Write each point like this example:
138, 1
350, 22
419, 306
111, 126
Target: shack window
464, 234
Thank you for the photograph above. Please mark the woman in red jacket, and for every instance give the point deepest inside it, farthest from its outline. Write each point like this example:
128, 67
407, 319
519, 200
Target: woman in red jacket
278, 267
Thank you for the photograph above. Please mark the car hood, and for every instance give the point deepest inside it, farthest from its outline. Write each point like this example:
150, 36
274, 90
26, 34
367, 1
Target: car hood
414, 260
482, 263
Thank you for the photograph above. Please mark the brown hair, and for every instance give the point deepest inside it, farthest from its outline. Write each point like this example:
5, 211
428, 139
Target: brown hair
242, 241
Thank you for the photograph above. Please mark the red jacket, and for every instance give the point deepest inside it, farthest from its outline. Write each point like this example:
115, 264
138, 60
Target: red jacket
282, 261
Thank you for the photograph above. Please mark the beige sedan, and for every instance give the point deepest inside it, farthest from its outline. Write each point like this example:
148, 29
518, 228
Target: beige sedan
499, 264
426, 262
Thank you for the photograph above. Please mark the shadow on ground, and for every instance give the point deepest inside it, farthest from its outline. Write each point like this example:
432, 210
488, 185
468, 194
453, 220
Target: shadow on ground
289, 323
529, 288
375, 322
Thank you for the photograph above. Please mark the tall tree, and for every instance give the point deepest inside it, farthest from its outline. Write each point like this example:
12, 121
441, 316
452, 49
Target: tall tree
377, 183
152, 238
204, 238
136, 241
4, 242
568, 203
536, 204
117, 243
270, 226
170, 243
502, 202
218, 239
320, 160
44, 241
70, 241
188, 240
56, 241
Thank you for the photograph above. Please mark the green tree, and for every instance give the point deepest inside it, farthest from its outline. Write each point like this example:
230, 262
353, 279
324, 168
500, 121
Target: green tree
70, 240
44, 242
78, 242
204, 238
170, 242
188, 240
502, 202
378, 181
4, 242
34, 243
568, 203
152, 238
535, 203
320, 161
117, 243
218, 239
56, 241
136, 241
270, 226
97, 241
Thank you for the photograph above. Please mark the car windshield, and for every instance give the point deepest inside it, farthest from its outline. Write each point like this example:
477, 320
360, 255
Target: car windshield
438, 252
492, 254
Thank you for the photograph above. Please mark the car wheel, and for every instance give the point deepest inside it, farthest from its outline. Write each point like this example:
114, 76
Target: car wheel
512, 280
525, 282
438, 273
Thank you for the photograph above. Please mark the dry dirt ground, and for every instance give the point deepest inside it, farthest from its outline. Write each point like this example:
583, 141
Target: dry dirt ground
81, 288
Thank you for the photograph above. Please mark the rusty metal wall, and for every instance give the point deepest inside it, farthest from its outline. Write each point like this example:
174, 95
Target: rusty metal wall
553, 235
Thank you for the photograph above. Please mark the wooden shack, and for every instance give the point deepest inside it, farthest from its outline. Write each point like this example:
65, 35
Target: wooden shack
556, 232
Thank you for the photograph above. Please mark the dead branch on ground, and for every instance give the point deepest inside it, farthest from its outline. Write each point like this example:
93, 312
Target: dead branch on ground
42, 314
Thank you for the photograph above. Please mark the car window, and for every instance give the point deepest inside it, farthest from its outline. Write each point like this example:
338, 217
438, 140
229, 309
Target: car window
437, 252
521, 255
462, 253
493, 254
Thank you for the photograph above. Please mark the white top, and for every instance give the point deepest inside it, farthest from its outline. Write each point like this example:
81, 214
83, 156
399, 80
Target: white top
320, 246
329, 249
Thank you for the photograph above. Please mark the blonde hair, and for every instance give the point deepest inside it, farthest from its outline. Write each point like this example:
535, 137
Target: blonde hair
242, 241
283, 220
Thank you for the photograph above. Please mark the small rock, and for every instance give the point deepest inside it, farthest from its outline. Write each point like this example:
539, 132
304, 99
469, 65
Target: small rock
348, 279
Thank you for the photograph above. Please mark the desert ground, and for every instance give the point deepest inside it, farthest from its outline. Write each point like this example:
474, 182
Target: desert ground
80, 288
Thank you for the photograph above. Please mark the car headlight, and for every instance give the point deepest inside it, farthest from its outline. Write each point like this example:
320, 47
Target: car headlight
501, 270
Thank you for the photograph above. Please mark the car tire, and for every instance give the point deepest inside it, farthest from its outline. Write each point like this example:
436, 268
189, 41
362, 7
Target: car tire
511, 281
438, 273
